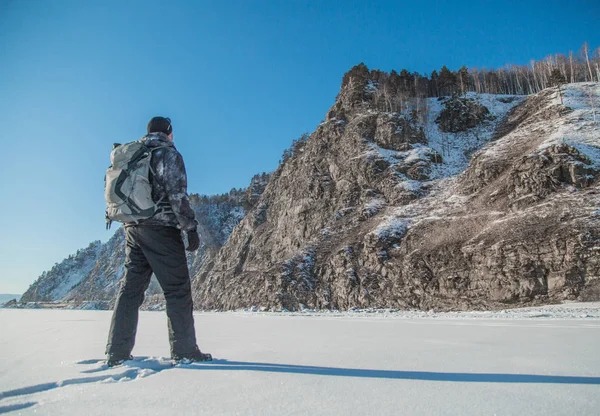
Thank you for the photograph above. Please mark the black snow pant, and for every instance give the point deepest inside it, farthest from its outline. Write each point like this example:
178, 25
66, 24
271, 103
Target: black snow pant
160, 250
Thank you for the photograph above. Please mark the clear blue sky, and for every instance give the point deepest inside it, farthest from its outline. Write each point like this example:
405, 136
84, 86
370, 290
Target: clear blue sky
240, 80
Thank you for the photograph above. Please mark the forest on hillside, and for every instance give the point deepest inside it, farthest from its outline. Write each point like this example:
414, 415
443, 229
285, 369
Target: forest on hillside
392, 90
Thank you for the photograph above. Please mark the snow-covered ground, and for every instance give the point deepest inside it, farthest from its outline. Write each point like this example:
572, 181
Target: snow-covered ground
537, 361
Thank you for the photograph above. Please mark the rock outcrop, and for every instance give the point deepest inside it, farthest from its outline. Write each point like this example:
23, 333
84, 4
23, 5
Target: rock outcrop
362, 216
460, 114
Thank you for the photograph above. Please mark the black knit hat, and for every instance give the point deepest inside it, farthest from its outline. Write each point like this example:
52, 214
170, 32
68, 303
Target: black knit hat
160, 125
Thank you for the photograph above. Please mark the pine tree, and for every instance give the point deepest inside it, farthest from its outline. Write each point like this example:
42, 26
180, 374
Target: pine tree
434, 92
446, 81
359, 71
556, 80
463, 79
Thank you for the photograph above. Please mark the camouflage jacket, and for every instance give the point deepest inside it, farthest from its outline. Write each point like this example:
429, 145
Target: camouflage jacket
169, 185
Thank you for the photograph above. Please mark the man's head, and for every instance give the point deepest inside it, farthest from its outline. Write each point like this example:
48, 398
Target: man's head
161, 125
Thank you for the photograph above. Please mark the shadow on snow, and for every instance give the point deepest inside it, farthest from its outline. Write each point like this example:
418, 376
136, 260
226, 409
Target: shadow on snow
38, 388
142, 367
393, 374
14, 407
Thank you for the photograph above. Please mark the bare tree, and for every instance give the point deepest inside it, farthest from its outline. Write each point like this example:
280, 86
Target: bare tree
591, 102
597, 63
571, 64
585, 51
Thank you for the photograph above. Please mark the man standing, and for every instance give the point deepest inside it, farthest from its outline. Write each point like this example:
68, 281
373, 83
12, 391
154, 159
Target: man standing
156, 245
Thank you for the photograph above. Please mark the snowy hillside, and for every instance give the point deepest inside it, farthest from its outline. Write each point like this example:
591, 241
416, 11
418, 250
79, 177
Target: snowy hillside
541, 362
456, 148
577, 125
56, 283
450, 151
574, 122
580, 128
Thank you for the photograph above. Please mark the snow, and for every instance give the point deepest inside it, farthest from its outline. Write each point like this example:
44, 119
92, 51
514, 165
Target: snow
581, 127
377, 152
416, 153
71, 278
410, 185
578, 128
456, 148
374, 206
391, 227
380, 363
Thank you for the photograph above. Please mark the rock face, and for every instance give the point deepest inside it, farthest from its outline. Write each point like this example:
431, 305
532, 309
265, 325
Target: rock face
537, 176
361, 214
460, 114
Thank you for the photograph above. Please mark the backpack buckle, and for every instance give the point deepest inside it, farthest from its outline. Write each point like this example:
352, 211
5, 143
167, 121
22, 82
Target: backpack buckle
108, 221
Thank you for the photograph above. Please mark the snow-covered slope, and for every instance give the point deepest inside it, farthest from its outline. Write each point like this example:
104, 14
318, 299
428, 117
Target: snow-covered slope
574, 123
282, 364
63, 277
579, 128
523, 217
457, 148
450, 151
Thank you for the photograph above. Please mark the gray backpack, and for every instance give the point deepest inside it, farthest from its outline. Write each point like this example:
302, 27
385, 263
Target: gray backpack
127, 187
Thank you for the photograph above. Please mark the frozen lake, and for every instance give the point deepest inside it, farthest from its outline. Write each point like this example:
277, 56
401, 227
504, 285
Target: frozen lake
541, 361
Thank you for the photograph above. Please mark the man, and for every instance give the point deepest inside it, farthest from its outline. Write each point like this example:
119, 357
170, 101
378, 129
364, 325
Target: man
156, 245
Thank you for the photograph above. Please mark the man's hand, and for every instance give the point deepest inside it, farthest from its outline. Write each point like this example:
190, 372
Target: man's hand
193, 240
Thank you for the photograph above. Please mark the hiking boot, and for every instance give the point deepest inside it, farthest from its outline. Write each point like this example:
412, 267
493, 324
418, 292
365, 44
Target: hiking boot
113, 361
192, 357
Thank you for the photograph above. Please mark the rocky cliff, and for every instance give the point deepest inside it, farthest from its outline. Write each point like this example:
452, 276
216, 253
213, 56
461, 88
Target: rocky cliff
424, 207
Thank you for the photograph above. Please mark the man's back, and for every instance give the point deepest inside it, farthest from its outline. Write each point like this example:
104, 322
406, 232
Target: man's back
169, 184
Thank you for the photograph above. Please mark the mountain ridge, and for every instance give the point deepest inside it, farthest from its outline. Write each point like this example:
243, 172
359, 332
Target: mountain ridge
378, 261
